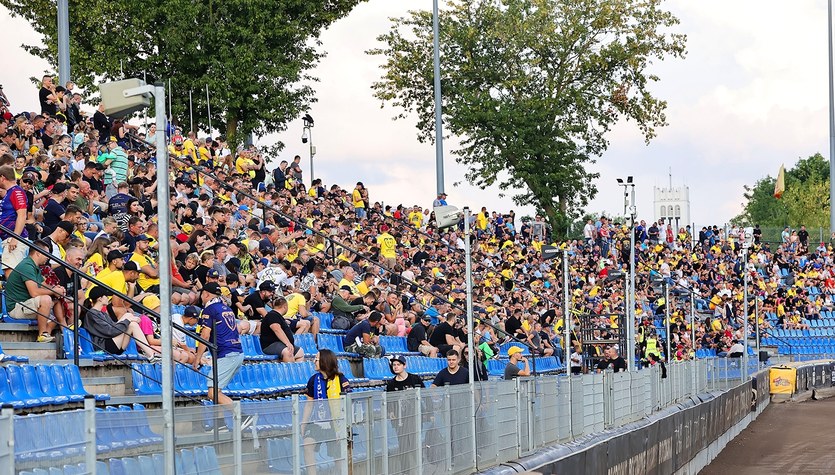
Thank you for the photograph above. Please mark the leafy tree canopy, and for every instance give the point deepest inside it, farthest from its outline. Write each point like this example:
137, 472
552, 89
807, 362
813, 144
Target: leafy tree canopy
805, 201
255, 55
532, 87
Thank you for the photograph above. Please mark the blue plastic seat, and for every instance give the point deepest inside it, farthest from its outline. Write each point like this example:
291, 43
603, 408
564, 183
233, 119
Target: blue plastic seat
506, 346
377, 368
206, 460
345, 368
117, 467
280, 454
13, 358
36, 388
335, 344
189, 465
6, 394
306, 343
21, 391
256, 344
73, 378
131, 465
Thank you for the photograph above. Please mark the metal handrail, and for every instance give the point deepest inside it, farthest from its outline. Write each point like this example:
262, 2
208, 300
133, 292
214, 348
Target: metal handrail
77, 274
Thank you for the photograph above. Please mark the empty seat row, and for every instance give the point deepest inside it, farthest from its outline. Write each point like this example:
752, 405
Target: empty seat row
30, 386
396, 344
506, 346
423, 365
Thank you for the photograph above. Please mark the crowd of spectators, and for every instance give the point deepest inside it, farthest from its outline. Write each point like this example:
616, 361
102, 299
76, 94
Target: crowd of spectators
84, 188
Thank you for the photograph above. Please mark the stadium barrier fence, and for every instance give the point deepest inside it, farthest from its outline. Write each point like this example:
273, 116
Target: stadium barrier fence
373, 432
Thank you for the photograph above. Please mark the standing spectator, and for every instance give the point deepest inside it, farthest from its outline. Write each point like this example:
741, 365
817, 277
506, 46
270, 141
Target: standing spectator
219, 319
47, 96
363, 338
512, 371
453, 374
577, 360
803, 237
358, 198
13, 215
102, 124
402, 379
317, 426
611, 360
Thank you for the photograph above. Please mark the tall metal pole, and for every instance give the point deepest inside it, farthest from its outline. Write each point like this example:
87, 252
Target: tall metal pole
630, 314
164, 223
468, 274
64, 42
209, 109
310, 136
439, 134
567, 331
667, 317
745, 311
170, 109
692, 322
190, 114
831, 130
757, 326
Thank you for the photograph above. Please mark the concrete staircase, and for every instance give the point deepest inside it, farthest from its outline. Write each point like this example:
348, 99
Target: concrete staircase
109, 377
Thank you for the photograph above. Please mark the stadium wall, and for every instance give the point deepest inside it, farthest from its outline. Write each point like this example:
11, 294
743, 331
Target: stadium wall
681, 439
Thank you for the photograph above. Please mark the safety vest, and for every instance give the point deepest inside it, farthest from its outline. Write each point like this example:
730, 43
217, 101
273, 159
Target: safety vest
652, 347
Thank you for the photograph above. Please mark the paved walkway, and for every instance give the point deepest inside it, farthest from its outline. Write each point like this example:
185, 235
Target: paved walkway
790, 438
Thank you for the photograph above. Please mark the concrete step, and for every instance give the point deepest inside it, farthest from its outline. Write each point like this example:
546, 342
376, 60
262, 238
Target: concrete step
112, 385
17, 332
32, 349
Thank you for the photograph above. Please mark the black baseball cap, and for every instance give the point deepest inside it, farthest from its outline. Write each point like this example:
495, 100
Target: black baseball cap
115, 254
212, 288
191, 312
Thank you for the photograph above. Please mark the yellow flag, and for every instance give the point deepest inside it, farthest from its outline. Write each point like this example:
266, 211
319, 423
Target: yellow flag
780, 186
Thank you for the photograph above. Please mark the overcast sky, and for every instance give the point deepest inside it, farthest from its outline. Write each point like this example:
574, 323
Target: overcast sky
751, 94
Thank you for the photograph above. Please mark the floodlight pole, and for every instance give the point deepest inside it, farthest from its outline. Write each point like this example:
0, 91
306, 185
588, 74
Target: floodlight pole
63, 41
744, 371
164, 224
667, 317
630, 311
439, 135
468, 275
831, 129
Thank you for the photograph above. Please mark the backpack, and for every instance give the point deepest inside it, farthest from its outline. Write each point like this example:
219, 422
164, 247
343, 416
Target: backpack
341, 321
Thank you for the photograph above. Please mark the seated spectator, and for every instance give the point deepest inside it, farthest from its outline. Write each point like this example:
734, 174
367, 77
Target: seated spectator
276, 334
444, 336
29, 297
189, 318
418, 339
114, 337
363, 338
344, 314
512, 371
298, 309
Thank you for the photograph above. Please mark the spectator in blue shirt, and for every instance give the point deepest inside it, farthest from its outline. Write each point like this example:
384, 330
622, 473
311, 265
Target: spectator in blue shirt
363, 337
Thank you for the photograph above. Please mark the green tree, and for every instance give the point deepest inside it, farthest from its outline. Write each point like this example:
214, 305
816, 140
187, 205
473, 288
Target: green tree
532, 87
805, 201
255, 55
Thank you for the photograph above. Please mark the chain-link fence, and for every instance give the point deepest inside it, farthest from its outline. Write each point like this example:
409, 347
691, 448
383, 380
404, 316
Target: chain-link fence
454, 429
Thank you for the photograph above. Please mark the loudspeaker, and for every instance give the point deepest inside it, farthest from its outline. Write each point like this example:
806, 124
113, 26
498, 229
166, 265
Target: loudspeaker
447, 216
115, 102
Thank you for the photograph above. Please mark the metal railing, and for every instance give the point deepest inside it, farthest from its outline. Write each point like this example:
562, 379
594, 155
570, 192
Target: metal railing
77, 275
372, 432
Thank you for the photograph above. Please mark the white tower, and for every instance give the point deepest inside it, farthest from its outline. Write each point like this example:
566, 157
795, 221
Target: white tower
672, 204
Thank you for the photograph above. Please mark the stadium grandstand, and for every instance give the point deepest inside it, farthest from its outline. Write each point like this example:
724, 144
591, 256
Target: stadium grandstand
285, 294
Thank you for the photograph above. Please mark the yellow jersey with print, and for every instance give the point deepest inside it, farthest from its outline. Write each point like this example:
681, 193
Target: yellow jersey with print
388, 245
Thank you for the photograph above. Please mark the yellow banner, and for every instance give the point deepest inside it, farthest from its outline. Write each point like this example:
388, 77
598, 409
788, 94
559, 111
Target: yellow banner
782, 379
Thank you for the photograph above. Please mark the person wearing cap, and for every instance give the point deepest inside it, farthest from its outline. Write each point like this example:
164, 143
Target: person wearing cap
189, 318
13, 215
348, 275
110, 336
123, 279
60, 237
512, 370
219, 319
340, 307
417, 340
148, 268
257, 301
402, 379
440, 200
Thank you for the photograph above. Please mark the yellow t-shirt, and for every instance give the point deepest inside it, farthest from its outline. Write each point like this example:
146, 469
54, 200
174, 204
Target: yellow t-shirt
356, 196
481, 221
354, 289
388, 245
416, 219
362, 288
144, 281
294, 303
96, 262
114, 280
242, 164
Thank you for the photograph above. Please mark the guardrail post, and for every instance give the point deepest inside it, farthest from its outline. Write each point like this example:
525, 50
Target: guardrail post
447, 430
518, 419
385, 430
7, 433
76, 323
297, 439
419, 431
89, 433
236, 438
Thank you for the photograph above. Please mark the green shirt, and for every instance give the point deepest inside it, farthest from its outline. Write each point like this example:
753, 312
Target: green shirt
16, 290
